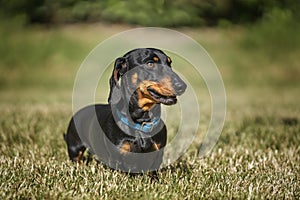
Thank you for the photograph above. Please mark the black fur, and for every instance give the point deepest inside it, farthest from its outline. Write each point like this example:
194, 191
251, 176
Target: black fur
87, 120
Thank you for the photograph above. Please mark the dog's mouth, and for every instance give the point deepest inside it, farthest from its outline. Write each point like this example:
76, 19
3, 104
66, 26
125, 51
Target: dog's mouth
158, 93
162, 98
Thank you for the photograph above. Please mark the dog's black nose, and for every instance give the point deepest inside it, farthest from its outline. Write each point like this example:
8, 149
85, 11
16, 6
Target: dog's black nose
179, 87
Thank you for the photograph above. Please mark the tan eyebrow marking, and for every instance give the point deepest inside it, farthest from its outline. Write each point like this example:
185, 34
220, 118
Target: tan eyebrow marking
169, 60
155, 58
134, 78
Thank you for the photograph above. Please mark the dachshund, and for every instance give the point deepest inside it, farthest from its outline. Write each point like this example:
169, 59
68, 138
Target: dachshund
128, 133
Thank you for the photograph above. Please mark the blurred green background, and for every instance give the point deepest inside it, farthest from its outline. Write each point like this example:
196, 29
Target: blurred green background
253, 42
155, 13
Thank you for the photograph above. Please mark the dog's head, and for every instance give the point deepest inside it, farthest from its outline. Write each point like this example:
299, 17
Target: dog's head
148, 72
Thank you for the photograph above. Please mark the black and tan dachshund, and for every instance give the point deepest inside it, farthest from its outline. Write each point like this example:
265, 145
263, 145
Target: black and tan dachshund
128, 133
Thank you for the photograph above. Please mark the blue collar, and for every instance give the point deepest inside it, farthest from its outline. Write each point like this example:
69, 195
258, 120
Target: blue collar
145, 127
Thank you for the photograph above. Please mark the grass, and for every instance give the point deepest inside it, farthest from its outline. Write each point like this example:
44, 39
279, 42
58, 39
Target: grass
257, 155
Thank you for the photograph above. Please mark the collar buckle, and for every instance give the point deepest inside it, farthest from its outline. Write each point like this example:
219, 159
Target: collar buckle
144, 126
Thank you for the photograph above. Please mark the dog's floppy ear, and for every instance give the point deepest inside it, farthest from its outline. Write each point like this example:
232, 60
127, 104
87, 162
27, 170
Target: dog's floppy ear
120, 68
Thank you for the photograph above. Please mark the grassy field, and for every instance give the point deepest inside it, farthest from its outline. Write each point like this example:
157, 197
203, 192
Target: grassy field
257, 155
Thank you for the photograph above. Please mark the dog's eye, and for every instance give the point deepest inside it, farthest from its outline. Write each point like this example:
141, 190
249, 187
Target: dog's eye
150, 64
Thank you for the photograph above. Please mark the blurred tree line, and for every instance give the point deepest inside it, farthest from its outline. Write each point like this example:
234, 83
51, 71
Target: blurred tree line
169, 13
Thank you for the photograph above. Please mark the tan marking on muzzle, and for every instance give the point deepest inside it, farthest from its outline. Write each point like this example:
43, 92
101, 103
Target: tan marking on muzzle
166, 87
145, 101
